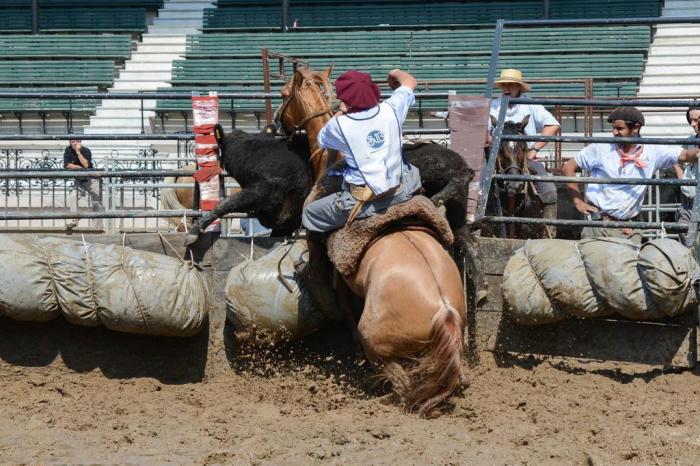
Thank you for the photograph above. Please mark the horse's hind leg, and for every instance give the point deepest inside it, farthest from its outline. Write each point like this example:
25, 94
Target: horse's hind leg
242, 201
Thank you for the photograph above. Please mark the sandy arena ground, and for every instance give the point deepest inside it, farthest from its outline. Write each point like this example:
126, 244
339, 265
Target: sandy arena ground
277, 407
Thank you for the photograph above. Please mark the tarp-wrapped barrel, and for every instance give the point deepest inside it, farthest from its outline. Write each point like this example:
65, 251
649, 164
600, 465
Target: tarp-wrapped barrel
549, 280
96, 284
258, 301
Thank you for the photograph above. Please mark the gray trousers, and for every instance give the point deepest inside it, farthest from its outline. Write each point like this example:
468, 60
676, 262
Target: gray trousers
683, 214
332, 212
547, 191
86, 188
594, 232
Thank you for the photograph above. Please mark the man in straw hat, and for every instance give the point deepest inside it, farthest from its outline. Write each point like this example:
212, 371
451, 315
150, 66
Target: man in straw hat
368, 133
539, 122
619, 202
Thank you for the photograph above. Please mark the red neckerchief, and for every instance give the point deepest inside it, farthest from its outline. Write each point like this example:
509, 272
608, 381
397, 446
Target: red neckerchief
631, 156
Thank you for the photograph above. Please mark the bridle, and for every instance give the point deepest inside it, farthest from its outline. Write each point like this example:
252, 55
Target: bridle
296, 93
325, 90
519, 169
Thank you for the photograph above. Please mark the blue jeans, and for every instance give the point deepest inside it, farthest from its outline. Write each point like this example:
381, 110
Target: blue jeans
251, 227
332, 212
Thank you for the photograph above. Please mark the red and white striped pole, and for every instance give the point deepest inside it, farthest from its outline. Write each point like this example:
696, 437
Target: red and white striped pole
205, 110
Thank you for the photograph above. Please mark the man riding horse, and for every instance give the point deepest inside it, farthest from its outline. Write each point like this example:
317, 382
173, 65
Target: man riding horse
539, 122
368, 133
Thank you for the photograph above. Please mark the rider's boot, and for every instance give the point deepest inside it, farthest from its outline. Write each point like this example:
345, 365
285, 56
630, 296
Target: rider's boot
317, 275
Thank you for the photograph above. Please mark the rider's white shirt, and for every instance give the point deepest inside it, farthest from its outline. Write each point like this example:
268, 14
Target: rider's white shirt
331, 136
539, 117
619, 200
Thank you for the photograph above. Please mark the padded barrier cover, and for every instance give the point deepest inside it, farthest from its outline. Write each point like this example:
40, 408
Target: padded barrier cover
549, 280
257, 301
94, 284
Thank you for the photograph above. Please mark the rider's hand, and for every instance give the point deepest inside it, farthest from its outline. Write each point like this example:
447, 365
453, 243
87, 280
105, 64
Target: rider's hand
531, 154
391, 79
584, 207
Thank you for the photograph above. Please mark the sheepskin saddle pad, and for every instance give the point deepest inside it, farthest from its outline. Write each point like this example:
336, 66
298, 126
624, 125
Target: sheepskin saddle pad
347, 245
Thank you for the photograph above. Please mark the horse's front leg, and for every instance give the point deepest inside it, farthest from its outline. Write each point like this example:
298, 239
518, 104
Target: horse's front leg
242, 201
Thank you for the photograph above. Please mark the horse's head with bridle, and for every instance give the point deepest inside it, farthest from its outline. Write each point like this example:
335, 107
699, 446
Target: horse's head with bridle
512, 156
305, 97
307, 104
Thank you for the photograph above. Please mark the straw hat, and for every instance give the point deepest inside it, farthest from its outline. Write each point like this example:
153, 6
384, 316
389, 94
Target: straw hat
512, 76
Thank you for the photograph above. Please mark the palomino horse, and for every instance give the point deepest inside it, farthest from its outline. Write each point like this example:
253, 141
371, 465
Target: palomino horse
519, 198
414, 313
307, 100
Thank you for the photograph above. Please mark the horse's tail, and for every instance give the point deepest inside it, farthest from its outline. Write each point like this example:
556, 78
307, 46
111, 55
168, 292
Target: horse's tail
438, 372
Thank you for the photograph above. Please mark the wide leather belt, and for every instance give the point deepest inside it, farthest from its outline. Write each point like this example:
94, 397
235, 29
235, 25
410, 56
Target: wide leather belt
363, 194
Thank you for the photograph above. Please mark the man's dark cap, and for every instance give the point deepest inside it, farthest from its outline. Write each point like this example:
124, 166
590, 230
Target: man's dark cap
629, 114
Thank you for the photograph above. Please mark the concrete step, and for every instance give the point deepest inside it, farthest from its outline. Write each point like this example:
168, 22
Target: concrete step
144, 76
156, 57
667, 90
671, 70
119, 122
677, 80
127, 104
676, 30
167, 49
125, 130
688, 4
681, 12
116, 113
148, 66
178, 22
180, 15
673, 50
172, 29
139, 85
186, 6
164, 39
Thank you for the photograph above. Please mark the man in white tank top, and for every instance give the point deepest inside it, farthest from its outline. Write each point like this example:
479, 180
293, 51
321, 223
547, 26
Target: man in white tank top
368, 134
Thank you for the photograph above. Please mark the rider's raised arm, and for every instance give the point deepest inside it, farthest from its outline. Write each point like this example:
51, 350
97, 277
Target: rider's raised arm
399, 77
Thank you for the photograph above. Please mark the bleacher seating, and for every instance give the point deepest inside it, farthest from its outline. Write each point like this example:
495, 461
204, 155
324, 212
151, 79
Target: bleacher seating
613, 56
48, 105
65, 46
78, 15
232, 15
63, 63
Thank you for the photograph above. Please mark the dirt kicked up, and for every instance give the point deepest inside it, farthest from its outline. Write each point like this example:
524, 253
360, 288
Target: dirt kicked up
276, 407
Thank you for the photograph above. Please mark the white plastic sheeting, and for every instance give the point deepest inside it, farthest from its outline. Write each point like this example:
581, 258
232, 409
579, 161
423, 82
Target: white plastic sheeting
549, 280
95, 284
258, 301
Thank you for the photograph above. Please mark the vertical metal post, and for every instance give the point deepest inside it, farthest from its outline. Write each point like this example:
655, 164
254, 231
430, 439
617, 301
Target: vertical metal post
546, 5
267, 87
143, 127
35, 16
487, 172
493, 62
285, 15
